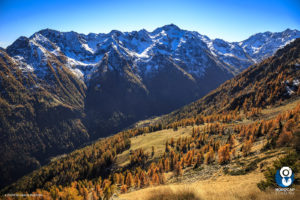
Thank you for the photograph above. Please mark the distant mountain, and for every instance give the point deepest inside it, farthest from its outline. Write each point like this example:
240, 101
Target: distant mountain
62, 89
263, 45
151, 72
267, 83
189, 49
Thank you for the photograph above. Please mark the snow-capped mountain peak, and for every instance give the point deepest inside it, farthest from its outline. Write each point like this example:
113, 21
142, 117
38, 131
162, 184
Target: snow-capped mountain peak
189, 49
263, 45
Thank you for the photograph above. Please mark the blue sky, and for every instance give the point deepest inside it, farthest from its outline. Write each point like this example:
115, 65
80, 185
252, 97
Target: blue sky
232, 20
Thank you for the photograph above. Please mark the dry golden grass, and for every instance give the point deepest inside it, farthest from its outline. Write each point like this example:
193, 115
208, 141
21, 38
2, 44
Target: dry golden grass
156, 139
224, 187
271, 112
167, 193
146, 122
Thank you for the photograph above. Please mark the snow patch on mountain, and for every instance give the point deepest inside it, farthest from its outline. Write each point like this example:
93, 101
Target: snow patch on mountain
22, 64
188, 49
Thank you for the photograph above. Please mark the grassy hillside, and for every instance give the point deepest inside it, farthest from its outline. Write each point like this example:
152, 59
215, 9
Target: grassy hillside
221, 187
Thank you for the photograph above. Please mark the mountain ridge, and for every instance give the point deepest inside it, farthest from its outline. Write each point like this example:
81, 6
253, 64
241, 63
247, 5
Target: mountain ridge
232, 54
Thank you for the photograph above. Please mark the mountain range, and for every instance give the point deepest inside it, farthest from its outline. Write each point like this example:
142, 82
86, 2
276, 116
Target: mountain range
235, 132
189, 49
60, 90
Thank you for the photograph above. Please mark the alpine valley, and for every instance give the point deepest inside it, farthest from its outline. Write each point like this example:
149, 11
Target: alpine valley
63, 90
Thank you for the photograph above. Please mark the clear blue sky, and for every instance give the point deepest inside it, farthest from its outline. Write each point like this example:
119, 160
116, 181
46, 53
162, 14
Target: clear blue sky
232, 20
